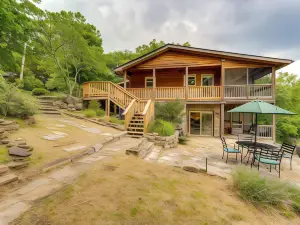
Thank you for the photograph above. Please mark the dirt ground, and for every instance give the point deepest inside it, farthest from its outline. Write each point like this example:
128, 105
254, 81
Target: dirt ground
128, 190
78, 132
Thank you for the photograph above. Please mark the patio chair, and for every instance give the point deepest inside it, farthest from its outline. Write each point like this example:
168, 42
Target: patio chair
229, 150
288, 151
269, 157
246, 137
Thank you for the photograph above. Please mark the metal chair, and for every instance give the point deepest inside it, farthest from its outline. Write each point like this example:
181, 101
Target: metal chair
229, 150
270, 157
246, 137
288, 151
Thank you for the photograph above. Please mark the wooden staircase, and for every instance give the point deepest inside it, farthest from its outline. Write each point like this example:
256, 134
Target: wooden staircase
138, 113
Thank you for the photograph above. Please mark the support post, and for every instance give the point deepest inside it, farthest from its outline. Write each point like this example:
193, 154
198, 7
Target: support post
273, 83
274, 128
186, 82
222, 121
154, 85
115, 109
125, 78
231, 121
222, 79
107, 107
247, 84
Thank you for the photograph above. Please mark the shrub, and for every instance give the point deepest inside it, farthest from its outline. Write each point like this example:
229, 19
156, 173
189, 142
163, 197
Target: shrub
30, 83
263, 191
163, 128
100, 112
94, 104
40, 91
89, 113
170, 111
114, 119
182, 140
15, 103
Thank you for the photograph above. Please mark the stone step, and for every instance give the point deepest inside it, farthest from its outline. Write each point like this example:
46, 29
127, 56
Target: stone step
46, 97
145, 149
51, 112
47, 109
8, 178
3, 169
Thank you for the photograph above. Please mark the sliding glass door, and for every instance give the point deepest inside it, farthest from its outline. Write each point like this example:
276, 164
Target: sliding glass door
201, 123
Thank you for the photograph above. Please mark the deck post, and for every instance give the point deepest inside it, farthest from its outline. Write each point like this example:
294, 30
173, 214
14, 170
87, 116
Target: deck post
274, 128
154, 84
222, 80
125, 78
273, 83
222, 120
115, 109
186, 81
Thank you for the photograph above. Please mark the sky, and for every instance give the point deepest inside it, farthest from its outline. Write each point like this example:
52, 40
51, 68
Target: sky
259, 27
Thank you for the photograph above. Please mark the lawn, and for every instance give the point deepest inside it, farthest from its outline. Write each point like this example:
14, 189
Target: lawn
128, 190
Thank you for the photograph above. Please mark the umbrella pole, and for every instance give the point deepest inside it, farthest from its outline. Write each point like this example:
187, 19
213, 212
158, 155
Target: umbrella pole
255, 128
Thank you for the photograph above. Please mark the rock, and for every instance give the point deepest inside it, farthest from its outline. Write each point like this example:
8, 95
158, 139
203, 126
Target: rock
5, 142
7, 122
10, 127
68, 100
24, 146
3, 169
8, 179
20, 152
2, 120
191, 166
78, 106
18, 165
31, 120
2, 130
71, 107
97, 147
3, 135
20, 142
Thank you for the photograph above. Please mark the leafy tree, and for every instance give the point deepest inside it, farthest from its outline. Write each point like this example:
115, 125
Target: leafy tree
17, 27
170, 111
71, 47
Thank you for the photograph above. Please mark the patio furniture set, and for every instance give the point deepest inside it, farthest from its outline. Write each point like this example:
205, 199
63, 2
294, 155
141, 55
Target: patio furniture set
261, 153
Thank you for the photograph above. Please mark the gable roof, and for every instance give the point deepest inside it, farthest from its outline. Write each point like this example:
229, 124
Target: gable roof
280, 62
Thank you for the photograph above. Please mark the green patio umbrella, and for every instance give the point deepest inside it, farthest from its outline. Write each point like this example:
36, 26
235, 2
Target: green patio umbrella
260, 107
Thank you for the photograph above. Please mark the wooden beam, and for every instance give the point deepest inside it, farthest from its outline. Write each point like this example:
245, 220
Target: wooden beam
186, 81
222, 78
274, 128
274, 83
115, 109
125, 78
222, 121
154, 84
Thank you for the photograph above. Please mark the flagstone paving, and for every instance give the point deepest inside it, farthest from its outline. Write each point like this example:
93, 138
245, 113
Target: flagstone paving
18, 201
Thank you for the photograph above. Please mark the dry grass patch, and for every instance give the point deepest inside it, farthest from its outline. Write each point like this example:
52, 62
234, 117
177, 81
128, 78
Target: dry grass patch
128, 190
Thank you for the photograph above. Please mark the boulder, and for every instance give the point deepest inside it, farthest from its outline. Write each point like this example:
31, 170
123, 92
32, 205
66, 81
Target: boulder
2, 120
3, 169
78, 106
7, 122
71, 106
4, 142
3, 135
30, 120
17, 151
68, 100
24, 146
10, 127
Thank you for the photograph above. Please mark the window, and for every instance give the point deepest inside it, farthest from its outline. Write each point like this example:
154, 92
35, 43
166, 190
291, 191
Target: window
207, 80
192, 80
148, 82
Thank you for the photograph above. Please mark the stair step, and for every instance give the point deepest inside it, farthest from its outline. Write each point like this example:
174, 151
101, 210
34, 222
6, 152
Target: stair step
9, 178
136, 124
51, 112
135, 132
145, 149
3, 169
135, 129
137, 120
47, 109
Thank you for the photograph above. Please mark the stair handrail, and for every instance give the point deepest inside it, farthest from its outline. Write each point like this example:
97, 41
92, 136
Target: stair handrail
129, 112
148, 114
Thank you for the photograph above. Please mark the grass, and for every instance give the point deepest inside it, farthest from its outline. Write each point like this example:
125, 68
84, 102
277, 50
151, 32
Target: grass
116, 192
116, 120
4, 156
89, 113
262, 191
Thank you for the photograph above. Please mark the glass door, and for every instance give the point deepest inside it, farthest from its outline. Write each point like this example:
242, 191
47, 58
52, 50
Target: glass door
195, 121
201, 123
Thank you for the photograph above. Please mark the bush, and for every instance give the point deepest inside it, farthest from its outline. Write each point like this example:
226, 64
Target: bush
170, 111
40, 91
182, 140
15, 103
163, 128
89, 113
30, 83
100, 112
263, 191
114, 119
94, 104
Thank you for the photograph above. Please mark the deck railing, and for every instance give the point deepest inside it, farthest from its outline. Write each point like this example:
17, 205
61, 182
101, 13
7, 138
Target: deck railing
248, 91
169, 93
264, 131
148, 114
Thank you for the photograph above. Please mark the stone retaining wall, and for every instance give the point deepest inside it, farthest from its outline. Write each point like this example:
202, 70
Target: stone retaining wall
165, 142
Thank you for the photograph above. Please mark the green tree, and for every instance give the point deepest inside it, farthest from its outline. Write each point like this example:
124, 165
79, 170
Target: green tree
71, 47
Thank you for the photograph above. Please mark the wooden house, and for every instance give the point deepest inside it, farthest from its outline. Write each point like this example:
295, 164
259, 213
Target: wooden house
208, 83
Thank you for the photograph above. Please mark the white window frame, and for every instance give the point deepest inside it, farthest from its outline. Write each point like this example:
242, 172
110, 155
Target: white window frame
194, 76
208, 75
147, 79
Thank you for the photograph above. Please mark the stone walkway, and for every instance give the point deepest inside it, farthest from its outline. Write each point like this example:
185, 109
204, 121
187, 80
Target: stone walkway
20, 200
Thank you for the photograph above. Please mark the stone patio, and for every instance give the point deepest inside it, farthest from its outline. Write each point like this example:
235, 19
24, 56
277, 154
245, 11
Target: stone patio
198, 149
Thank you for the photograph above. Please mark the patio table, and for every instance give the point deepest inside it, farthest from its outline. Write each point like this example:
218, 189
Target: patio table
255, 145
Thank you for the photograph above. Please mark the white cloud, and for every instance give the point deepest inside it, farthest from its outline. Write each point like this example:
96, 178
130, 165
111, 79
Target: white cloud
292, 68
